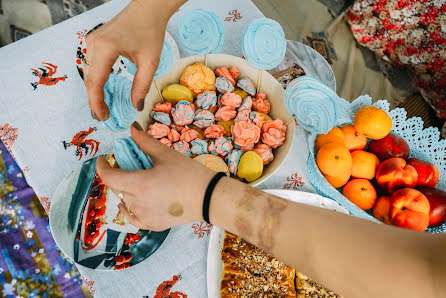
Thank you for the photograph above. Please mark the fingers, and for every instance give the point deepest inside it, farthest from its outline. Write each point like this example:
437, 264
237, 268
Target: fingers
142, 81
114, 177
101, 58
132, 219
148, 144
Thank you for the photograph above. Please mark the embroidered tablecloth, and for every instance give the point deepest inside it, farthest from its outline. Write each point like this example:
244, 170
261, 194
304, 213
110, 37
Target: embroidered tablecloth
44, 109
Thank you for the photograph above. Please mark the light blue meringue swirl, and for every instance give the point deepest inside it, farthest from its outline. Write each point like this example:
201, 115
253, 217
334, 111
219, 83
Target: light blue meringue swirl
129, 156
264, 43
200, 32
166, 62
313, 104
117, 92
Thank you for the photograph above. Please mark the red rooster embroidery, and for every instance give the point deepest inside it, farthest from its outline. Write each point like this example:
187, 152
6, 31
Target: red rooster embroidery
163, 290
82, 144
45, 75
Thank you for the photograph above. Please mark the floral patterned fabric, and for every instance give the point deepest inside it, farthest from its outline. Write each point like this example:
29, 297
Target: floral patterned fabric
408, 33
31, 264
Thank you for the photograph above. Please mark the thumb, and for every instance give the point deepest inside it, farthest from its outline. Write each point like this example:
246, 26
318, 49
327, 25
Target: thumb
148, 144
142, 81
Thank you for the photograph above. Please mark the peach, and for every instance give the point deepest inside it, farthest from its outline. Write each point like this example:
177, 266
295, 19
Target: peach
394, 173
427, 173
409, 209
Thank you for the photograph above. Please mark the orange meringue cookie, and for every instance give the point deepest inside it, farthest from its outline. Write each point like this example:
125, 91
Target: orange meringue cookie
165, 107
188, 134
166, 142
265, 153
231, 99
278, 123
261, 104
274, 133
245, 134
198, 78
224, 72
158, 130
214, 131
173, 136
225, 113
234, 72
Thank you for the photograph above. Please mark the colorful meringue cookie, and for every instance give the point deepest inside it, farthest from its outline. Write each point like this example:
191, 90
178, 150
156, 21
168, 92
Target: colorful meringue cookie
117, 96
200, 31
182, 147
274, 133
188, 134
173, 135
175, 92
213, 162
247, 85
250, 166
214, 131
199, 147
198, 78
265, 153
234, 72
246, 104
224, 72
165, 107
221, 146
243, 115
231, 99
166, 142
264, 43
206, 100
233, 159
184, 113
245, 134
158, 130
161, 117
203, 118
223, 85
227, 126
225, 113
261, 104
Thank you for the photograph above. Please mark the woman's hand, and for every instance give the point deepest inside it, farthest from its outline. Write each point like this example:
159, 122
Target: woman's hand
169, 194
136, 33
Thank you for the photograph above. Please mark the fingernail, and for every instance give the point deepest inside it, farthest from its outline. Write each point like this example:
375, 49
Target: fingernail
140, 105
137, 126
94, 116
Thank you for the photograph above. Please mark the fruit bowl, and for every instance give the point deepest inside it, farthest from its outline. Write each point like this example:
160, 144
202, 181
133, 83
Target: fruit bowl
424, 143
268, 85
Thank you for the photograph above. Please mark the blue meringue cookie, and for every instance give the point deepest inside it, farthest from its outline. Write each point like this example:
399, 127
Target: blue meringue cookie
199, 147
129, 157
200, 32
313, 104
223, 85
264, 43
117, 92
166, 62
161, 117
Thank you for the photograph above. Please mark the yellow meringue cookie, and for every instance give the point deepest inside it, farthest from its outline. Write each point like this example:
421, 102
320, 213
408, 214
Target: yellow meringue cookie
176, 92
240, 92
250, 167
227, 126
198, 78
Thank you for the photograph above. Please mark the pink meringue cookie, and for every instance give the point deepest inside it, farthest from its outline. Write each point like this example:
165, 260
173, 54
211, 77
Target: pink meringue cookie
182, 147
231, 99
265, 153
221, 146
274, 133
158, 130
245, 134
234, 72
243, 115
173, 136
225, 113
184, 113
261, 104
166, 142
188, 134
246, 104
165, 107
214, 131
224, 72
247, 85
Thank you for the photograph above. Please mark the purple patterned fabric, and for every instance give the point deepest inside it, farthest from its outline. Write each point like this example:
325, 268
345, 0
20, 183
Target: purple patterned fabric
31, 265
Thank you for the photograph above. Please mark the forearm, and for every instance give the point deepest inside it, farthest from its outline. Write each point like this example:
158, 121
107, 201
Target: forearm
355, 257
163, 9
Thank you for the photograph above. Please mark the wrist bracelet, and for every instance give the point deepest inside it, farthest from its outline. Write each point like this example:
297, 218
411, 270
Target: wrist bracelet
208, 195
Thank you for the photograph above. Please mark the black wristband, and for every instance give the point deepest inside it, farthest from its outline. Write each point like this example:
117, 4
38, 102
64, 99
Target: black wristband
208, 195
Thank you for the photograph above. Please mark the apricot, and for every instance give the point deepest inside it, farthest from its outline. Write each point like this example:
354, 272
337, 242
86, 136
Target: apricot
335, 135
372, 122
381, 209
337, 181
364, 164
334, 159
353, 140
361, 193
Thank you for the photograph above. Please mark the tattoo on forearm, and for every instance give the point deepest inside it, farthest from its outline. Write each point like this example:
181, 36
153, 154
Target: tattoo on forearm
176, 209
271, 222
